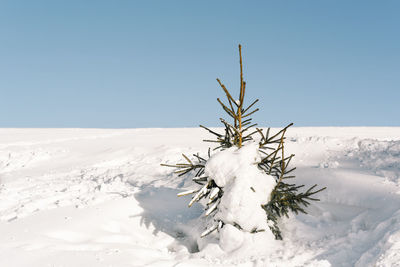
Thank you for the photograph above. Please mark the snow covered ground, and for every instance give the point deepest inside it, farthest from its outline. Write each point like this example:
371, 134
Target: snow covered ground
95, 197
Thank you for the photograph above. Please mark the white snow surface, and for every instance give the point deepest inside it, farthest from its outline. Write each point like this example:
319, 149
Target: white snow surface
96, 197
245, 186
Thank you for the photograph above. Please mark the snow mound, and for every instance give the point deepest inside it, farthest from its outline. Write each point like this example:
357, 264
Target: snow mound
382, 157
245, 186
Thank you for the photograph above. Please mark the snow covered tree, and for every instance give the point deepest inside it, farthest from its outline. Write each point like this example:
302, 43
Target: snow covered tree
244, 184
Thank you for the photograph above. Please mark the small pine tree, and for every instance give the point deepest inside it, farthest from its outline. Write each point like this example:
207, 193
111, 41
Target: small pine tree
283, 198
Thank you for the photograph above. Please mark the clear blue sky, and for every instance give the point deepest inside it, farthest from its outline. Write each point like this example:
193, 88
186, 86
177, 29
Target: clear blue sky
130, 64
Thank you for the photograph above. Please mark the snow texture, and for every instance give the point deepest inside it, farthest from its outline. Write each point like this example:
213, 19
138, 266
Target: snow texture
92, 197
245, 187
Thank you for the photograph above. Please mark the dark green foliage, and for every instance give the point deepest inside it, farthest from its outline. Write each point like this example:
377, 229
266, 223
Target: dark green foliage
285, 198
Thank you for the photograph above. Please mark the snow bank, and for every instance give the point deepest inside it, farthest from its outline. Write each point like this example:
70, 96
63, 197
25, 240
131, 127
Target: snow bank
382, 157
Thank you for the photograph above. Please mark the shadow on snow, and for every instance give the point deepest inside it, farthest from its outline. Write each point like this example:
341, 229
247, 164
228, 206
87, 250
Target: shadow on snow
169, 214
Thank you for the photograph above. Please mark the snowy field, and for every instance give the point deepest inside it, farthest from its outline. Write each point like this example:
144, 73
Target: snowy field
95, 197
